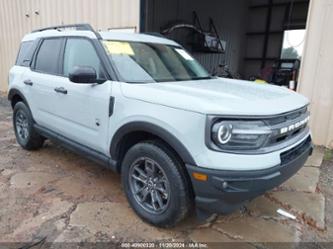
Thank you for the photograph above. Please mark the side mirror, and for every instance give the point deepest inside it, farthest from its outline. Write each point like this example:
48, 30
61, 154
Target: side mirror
83, 75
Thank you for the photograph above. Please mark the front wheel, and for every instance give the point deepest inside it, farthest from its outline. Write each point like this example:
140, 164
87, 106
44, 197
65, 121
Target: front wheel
155, 184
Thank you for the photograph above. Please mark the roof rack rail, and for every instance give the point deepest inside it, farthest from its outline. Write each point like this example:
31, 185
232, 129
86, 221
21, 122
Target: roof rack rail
154, 34
80, 26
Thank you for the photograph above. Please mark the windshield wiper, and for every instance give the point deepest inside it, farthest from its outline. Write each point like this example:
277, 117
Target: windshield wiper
203, 78
171, 80
141, 82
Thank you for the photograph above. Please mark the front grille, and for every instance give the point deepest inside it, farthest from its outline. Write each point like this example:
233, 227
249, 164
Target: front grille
287, 116
283, 121
295, 152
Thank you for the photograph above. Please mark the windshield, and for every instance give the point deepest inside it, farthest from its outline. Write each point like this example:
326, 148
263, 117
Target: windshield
150, 62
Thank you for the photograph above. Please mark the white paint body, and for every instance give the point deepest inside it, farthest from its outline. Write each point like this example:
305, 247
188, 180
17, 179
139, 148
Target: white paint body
181, 108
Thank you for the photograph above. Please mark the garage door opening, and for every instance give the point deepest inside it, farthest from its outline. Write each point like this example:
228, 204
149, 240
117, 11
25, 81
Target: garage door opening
249, 36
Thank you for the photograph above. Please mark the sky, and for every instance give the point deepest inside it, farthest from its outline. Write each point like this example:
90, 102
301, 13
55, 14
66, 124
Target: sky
294, 38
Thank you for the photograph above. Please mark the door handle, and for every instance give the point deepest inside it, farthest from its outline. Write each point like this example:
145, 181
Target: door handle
60, 90
28, 82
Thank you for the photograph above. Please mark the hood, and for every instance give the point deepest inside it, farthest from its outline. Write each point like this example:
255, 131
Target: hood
218, 96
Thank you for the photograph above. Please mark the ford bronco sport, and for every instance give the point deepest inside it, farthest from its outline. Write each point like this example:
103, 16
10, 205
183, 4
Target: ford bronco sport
144, 107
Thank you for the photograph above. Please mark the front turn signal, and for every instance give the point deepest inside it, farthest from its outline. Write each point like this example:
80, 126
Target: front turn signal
200, 177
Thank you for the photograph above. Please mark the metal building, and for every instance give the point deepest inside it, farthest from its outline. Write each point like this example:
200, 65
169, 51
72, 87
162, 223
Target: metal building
253, 32
316, 79
18, 17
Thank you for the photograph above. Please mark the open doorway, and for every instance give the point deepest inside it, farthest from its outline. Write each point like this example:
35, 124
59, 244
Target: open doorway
293, 44
253, 34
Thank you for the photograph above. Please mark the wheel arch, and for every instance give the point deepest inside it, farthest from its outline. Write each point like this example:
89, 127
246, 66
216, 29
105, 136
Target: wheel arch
138, 131
15, 95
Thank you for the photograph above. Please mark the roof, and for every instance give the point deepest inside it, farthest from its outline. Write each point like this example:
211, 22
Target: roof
139, 37
107, 35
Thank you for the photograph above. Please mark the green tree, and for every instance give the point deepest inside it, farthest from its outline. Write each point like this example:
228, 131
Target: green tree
290, 53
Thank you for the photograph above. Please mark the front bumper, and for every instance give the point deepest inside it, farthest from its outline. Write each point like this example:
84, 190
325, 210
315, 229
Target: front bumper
225, 191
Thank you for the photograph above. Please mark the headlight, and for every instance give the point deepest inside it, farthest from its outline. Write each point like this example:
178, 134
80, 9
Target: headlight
240, 135
224, 132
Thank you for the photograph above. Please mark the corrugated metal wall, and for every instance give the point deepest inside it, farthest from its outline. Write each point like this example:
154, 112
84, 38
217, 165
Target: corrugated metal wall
316, 80
18, 17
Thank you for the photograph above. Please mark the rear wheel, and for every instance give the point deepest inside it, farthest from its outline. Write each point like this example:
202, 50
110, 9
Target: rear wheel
26, 136
155, 184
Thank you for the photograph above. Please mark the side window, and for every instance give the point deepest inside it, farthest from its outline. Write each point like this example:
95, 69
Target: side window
47, 60
80, 52
25, 54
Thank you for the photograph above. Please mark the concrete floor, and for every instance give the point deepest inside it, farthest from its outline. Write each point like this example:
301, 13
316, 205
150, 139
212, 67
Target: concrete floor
55, 194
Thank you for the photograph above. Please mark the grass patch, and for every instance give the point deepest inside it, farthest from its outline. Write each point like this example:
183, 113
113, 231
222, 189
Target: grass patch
328, 156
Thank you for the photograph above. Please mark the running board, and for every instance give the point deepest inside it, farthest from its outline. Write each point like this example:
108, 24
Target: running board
83, 150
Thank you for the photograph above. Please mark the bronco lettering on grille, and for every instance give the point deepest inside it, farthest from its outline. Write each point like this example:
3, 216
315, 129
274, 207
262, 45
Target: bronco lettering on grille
294, 126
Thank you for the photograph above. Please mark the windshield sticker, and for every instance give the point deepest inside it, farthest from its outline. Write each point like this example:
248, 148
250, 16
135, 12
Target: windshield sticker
184, 54
116, 47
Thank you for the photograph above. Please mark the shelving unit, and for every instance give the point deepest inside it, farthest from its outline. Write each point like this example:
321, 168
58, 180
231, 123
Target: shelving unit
267, 33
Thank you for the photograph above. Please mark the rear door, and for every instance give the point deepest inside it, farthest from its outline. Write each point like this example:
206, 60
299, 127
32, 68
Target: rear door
43, 79
20, 72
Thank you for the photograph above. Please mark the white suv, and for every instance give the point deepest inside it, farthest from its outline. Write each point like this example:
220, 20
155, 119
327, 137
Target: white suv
142, 106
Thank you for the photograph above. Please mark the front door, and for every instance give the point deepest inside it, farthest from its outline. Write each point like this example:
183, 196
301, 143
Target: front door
83, 109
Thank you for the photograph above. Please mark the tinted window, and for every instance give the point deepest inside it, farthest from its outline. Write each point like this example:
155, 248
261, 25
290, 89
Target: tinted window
25, 53
81, 52
47, 60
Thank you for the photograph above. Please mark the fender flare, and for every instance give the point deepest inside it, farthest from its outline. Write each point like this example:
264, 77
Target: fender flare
12, 92
156, 130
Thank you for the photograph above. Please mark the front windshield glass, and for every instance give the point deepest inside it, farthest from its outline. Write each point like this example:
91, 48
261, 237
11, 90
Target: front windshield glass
140, 62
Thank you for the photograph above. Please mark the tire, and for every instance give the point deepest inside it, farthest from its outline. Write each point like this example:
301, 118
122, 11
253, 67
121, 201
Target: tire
26, 136
176, 197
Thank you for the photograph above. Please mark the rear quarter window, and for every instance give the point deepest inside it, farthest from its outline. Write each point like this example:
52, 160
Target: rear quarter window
25, 54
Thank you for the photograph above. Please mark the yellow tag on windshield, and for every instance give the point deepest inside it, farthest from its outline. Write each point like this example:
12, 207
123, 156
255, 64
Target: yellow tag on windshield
117, 47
